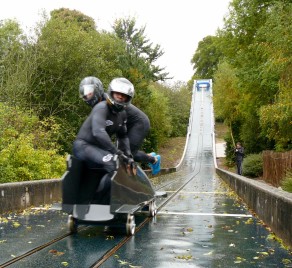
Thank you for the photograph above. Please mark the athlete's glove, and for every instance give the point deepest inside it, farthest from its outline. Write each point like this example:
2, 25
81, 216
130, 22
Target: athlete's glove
122, 156
129, 161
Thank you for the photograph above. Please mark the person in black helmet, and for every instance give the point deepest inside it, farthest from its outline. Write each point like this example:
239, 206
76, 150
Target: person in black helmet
138, 124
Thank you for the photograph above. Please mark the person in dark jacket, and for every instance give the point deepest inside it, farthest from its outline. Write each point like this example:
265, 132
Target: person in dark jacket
138, 124
239, 154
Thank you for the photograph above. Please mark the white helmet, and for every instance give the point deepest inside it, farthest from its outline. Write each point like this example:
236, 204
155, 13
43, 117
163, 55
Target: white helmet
120, 85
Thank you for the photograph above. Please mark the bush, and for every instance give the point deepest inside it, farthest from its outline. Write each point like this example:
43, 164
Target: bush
286, 183
20, 161
27, 147
253, 166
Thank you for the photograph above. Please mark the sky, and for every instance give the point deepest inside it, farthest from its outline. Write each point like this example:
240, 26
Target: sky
177, 26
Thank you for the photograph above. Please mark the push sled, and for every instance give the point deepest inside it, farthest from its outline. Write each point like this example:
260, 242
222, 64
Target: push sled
90, 196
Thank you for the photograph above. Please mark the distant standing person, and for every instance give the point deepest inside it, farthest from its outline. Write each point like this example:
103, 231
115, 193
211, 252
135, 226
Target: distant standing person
239, 154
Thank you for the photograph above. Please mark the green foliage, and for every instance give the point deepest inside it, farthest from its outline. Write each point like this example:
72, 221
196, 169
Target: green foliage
276, 116
66, 55
141, 55
179, 98
20, 161
10, 34
168, 110
27, 147
150, 144
253, 165
226, 84
17, 63
15, 121
252, 83
242, 23
68, 50
180, 105
286, 183
159, 114
253, 140
229, 150
73, 16
276, 120
206, 57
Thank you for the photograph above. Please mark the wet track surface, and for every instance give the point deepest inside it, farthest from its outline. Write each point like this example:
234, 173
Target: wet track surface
203, 225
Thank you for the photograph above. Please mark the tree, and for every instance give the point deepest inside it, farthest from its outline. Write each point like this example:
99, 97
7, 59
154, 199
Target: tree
17, 62
10, 36
275, 120
179, 97
226, 84
159, 114
66, 54
255, 43
206, 58
66, 15
140, 54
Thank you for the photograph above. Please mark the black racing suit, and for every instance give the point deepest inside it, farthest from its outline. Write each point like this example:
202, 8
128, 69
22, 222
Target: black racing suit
93, 143
138, 126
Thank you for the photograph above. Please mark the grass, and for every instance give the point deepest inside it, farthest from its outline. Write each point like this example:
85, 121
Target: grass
286, 183
171, 152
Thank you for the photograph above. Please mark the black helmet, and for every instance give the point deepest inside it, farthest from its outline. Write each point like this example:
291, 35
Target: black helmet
91, 90
120, 85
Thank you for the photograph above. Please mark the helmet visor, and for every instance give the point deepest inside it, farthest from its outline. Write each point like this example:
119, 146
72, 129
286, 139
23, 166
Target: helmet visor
88, 92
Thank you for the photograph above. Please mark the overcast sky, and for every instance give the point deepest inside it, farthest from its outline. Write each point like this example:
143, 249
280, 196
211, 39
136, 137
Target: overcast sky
177, 26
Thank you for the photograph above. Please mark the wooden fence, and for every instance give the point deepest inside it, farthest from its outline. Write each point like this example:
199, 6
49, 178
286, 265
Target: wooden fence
275, 166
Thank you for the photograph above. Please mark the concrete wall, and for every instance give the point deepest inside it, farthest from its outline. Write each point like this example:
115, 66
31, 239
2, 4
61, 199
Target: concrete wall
20, 195
272, 205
